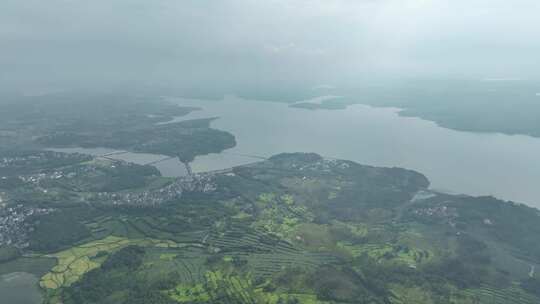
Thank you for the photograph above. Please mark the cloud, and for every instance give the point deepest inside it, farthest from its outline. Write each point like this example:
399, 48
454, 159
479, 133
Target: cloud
190, 42
323, 87
276, 49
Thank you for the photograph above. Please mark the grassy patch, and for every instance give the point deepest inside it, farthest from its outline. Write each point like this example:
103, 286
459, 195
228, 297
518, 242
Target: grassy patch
408, 295
75, 262
387, 252
280, 215
222, 287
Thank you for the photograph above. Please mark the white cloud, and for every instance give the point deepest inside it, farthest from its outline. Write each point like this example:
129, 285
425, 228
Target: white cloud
316, 40
280, 48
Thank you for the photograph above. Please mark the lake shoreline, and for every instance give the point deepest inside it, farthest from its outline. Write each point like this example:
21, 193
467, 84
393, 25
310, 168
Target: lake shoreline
393, 140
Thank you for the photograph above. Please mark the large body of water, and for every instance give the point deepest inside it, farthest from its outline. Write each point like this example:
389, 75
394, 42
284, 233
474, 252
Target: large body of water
19, 288
505, 166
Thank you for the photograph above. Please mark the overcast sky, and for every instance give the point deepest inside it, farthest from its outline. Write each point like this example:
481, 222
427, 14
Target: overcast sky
239, 42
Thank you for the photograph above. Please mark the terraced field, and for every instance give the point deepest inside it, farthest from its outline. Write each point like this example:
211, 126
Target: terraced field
483, 295
388, 252
315, 231
75, 262
264, 253
266, 265
233, 289
188, 264
493, 295
144, 227
191, 265
410, 295
280, 215
245, 239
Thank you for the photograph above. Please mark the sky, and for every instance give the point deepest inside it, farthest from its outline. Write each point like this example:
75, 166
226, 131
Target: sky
76, 43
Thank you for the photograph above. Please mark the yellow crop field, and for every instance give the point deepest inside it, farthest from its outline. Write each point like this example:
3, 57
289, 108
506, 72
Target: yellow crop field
73, 263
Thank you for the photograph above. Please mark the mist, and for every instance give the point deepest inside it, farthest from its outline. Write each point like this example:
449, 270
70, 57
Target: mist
62, 44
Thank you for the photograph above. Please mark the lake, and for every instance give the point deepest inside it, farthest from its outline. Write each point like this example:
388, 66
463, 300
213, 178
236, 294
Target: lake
505, 166
19, 288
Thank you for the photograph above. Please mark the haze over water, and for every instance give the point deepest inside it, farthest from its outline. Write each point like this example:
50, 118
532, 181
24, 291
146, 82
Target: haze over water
504, 166
19, 288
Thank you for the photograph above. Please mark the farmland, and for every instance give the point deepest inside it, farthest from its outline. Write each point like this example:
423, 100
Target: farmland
75, 262
296, 228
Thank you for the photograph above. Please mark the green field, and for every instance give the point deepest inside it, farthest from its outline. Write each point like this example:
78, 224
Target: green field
75, 262
293, 229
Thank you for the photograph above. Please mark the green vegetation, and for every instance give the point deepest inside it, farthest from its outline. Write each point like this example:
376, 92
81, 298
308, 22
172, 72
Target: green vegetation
510, 295
292, 229
337, 103
8, 253
51, 234
183, 139
111, 121
31, 162
75, 262
109, 176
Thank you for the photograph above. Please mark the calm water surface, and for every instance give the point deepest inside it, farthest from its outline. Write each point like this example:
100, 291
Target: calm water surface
19, 288
169, 167
505, 166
